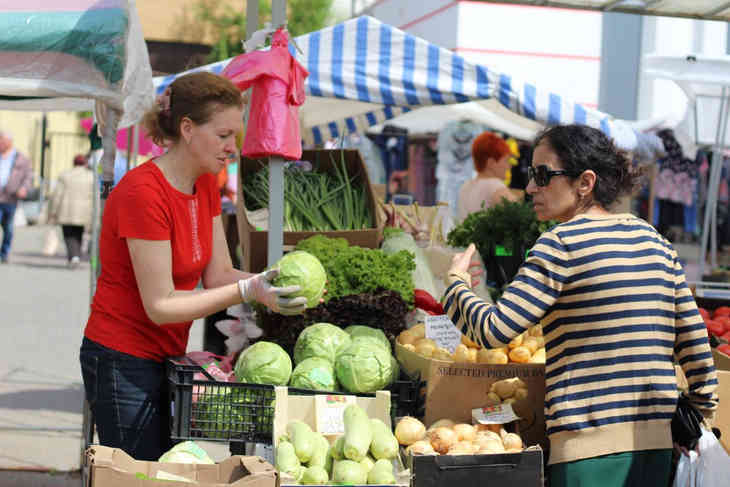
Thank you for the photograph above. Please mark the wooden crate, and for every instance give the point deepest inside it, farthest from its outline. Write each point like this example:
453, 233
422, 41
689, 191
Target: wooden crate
254, 242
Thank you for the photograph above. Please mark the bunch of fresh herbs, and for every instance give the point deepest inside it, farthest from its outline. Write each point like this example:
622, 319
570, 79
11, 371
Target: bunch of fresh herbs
315, 201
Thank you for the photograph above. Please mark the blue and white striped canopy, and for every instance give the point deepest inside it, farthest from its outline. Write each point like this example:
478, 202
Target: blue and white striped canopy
363, 72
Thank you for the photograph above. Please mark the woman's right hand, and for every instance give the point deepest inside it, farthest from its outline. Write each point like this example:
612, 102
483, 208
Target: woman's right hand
258, 288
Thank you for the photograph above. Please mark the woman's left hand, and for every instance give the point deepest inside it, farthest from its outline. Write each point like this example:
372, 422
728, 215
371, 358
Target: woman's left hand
464, 263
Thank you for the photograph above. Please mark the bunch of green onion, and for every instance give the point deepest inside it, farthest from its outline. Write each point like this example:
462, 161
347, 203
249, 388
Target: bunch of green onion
314, 201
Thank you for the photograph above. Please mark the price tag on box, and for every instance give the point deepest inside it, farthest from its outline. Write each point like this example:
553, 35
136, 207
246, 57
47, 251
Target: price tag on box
330, 410
499, 414
441, 330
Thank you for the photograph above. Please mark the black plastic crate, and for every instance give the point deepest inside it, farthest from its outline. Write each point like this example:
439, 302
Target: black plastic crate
234, 412
218, 411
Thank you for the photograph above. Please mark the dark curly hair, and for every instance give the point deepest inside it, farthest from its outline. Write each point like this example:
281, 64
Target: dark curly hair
581, 148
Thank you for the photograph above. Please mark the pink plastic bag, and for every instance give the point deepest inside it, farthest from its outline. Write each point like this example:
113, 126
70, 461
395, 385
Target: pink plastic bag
277, 80
218, 367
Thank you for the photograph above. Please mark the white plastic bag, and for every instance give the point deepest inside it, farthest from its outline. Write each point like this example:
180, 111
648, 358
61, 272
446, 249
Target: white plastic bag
686, 471
713, 464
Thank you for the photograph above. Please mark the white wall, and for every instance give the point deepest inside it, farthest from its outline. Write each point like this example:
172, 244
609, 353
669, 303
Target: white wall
529, 43
675, 37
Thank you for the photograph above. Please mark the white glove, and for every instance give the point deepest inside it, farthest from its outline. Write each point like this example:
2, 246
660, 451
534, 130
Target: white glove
258, 288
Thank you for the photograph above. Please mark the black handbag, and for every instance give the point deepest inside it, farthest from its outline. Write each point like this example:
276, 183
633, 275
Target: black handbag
686, 424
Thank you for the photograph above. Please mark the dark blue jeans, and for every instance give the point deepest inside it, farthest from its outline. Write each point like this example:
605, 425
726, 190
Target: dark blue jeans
129, 400
7, 215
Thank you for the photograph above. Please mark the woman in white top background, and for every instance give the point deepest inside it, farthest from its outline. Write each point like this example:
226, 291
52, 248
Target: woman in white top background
491, 156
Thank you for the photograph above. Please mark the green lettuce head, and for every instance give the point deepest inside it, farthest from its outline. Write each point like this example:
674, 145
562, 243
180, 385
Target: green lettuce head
264, 363
302, 269
321, 340
364, 366
357, 331
316, 374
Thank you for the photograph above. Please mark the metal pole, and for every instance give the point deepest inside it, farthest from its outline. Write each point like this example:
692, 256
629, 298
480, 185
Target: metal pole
714, 180
276, 171
724, 117
135, 146
252, 17
94, 162
130, 138
44, 146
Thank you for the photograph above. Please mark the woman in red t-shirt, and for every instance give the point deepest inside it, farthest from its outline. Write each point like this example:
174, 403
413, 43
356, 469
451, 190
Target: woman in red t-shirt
161, 235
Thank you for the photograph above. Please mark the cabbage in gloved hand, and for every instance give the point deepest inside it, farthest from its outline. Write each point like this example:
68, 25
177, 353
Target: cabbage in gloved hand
365, 366
302, 269
321, 340
314, 373
264, 363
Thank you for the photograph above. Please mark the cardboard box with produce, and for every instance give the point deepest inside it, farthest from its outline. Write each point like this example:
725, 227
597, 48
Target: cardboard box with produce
451, 452
187, 463
328, 193
325, 439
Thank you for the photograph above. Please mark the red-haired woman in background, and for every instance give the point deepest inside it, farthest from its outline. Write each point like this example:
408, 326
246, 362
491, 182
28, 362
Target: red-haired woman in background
491, 156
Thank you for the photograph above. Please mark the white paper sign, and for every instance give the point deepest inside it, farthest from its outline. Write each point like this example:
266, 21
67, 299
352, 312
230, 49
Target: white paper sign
330, 411
499, 414
441, 330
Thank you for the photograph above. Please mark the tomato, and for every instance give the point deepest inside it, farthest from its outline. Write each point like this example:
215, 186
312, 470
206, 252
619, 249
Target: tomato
724, 348
715, 328
723, 320
726, 336
721, 311
705, 314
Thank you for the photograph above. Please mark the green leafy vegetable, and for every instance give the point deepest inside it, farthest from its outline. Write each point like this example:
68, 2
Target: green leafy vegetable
355, 270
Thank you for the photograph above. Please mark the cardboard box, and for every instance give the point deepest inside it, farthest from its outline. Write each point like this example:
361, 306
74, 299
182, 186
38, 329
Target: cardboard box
722, 361
453, 390
254, 242
722, 417
289, 408
523, 469
112, 467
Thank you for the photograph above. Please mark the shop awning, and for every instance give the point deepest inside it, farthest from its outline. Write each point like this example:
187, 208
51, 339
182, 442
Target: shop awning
693, 9
363, 72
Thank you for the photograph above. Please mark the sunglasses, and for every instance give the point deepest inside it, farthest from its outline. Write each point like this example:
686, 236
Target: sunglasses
543, 174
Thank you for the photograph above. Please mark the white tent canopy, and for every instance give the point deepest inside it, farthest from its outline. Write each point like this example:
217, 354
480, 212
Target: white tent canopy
487, 112
694, 9
363, 72
706, 82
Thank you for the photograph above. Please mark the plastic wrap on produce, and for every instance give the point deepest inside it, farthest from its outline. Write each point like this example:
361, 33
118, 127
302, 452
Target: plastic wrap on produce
55, 52
422, 275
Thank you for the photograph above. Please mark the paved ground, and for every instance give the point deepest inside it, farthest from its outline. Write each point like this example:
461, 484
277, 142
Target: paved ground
44, 309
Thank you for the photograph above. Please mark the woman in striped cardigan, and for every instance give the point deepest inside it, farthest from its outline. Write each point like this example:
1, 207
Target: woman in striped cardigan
616, 313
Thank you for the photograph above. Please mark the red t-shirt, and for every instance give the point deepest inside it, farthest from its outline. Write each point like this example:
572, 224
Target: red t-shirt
145, 206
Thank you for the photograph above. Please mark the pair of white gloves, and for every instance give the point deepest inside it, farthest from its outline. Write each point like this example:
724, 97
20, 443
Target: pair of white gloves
258, 288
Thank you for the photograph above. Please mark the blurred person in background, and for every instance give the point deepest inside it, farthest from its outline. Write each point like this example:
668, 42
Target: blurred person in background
16, 177
71, 206
491, 155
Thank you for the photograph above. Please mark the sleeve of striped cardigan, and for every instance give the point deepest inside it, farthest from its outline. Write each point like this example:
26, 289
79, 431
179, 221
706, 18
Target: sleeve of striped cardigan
522, 305
692, 347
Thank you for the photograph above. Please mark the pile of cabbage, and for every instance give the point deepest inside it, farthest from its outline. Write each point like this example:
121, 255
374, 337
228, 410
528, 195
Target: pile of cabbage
357, 359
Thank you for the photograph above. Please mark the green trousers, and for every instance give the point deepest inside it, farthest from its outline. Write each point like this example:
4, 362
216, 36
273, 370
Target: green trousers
649, 468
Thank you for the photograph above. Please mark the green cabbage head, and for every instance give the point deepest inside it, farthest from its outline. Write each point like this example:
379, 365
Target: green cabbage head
321, 340
316, 374
186, 452
364, 366
264, 363
302, 269
369, 332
